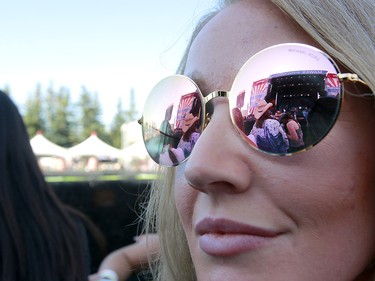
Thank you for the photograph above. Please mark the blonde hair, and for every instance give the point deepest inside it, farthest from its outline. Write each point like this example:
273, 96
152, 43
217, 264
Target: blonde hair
347, 36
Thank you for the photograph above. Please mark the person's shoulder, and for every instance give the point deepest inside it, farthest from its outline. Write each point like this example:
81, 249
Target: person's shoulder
292, 123
194, 136
272, 121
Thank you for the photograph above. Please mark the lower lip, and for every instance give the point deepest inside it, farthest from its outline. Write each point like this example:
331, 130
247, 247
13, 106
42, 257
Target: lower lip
231, 244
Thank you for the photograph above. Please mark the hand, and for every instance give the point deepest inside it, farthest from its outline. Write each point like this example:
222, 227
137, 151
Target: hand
129, 258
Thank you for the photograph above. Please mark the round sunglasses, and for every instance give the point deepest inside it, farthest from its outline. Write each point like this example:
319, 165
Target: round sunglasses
284, 100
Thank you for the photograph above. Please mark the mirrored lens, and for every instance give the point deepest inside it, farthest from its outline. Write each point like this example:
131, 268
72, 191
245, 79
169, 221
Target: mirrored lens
286, 98
172, 120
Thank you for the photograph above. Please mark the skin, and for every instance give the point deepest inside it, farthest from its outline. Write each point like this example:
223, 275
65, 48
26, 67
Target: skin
130, 258
320, 202
292, 129
188, 121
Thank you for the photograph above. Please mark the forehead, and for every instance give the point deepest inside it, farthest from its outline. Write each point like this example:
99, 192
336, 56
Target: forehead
233, 36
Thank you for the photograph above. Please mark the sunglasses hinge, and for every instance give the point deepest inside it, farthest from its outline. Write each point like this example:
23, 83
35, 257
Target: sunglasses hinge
351, 77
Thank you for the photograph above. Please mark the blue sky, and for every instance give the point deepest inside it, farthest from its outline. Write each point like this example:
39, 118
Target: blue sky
107, 46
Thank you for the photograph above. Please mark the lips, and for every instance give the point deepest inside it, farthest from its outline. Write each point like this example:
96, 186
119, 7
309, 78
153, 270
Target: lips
223, 237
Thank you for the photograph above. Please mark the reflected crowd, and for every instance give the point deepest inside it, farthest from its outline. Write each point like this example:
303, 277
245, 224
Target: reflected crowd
176, 145
292, 112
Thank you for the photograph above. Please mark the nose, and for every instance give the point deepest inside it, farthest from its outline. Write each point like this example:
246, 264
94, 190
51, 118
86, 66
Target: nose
220, 158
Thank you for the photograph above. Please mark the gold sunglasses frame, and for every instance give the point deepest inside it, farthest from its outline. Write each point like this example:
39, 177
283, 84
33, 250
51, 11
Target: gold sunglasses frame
206, 99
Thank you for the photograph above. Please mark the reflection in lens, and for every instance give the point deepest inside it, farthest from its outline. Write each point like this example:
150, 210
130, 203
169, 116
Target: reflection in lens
172, 120
288, 96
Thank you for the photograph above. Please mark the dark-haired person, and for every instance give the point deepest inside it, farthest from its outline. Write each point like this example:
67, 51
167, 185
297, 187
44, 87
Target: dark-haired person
293, 131
40, 238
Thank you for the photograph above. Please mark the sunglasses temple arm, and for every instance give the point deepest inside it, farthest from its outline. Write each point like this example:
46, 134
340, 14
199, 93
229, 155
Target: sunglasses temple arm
162, 133
140, 122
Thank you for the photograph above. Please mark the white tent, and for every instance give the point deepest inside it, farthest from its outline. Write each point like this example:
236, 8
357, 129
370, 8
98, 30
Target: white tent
136, 158
93, 146
51, 157
135, 155
130, 133
43, 147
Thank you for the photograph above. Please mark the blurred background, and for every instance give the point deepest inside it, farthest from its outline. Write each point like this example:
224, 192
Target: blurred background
81, 70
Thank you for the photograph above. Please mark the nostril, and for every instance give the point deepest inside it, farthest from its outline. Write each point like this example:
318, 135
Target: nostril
218, 177
194, 178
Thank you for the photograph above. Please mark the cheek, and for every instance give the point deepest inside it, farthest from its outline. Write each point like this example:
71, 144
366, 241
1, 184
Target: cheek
343, 182
332, 185
185, 198
340, 190
356, 132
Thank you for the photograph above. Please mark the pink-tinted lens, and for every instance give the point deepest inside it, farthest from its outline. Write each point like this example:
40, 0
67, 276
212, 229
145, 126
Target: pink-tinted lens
286, 98
172, 120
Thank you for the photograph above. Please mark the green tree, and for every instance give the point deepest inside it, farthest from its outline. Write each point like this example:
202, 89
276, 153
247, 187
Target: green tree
131, 112
115, 130
33, 116
59, 115
90, 120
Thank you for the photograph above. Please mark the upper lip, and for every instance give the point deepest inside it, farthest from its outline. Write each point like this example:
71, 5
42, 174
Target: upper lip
227, 226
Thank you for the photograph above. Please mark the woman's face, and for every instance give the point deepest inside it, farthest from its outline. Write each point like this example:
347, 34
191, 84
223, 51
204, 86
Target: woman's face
188, 122
252, 216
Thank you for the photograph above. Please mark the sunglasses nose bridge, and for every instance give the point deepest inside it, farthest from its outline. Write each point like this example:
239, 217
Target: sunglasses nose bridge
207, 101
213, 95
